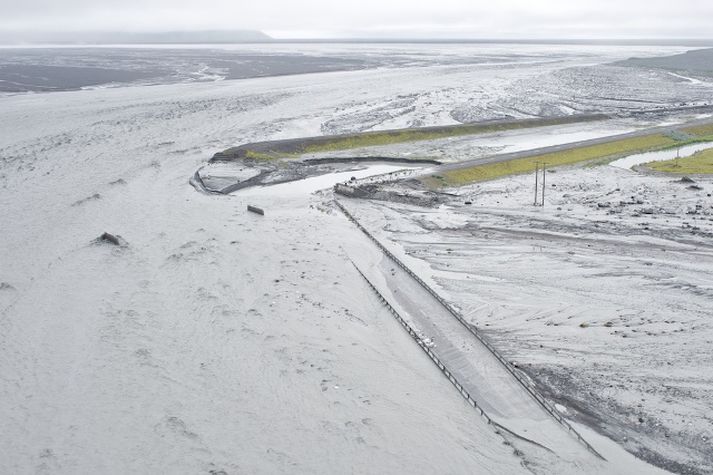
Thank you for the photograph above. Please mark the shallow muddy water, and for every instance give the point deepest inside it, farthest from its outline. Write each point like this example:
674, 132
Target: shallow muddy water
661, 155
310, 185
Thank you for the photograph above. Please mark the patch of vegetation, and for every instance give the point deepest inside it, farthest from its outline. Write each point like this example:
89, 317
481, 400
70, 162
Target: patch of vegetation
701, 132
602, 152
697, 164
379, 138
293, 148
389, 137
254, 155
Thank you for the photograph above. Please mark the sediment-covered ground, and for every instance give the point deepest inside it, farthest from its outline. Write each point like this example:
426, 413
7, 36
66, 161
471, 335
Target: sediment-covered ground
602, 296
211, 340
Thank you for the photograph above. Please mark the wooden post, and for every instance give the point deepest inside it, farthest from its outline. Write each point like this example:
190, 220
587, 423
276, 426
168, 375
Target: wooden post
537, 171
544, 169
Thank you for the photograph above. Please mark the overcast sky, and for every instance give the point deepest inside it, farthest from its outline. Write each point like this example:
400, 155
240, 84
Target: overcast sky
374, 18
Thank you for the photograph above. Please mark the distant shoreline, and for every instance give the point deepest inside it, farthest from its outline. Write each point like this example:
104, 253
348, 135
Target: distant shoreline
561, 42
545, 41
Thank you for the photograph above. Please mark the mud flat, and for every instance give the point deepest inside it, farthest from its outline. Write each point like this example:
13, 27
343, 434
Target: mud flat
602, 296
219, 341
73, 68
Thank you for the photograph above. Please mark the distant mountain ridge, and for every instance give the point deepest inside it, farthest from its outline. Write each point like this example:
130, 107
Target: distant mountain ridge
168, 37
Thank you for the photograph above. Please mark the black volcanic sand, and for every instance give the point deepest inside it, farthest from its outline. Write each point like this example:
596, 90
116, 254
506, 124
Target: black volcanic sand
57, 69
695, 61
27, 77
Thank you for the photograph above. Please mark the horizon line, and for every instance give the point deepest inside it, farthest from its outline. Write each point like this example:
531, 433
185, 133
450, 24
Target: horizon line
404, 40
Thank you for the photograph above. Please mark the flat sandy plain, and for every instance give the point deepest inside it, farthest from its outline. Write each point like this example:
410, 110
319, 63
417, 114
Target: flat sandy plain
217, 341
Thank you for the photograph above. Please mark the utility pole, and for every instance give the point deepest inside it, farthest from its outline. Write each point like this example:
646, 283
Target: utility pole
537, 172
544, 169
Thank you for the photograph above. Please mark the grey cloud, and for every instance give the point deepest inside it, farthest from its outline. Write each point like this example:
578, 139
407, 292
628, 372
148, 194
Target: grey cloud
461, 18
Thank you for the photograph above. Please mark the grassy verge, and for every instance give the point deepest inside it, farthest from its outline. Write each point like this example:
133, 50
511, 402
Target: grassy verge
371, 139
701, 132
605, 152
697, 164
293, 148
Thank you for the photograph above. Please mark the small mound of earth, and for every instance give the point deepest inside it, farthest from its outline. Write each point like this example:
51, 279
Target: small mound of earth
111, 239
389, 191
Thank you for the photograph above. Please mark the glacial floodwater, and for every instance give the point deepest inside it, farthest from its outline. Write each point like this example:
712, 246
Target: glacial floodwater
309, 185
661, 155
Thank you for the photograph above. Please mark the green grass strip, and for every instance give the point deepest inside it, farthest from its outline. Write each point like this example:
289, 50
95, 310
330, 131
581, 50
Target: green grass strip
699, 163
604, 151
293, 148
